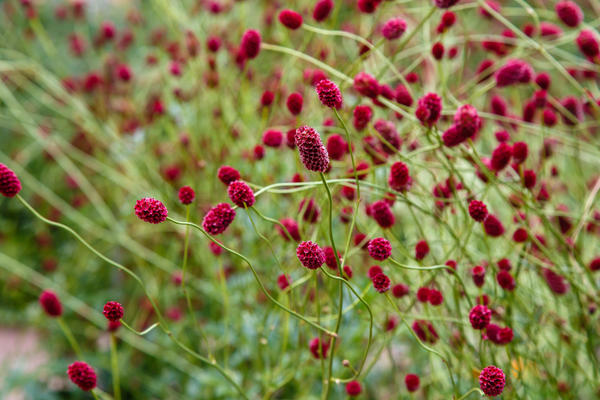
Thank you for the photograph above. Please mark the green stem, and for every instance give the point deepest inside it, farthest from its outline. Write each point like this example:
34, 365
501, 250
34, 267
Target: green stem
70, 337
114, 361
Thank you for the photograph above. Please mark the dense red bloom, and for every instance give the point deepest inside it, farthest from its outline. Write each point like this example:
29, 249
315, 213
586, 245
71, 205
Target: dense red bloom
390, 139
393, 28
573, 106
310, 255
50, 303
499, 335
215, 248
429, 109
311, 210
272, 138
520, 235
318, 348
555, 282
283, 281
150, 210
492, 381
336, 147
423, 294
478, 210
437, 50
186, 195
329, 93
529, 178
348, 271
312, 152
227, 174
290, 19
366, 85
501, 156
569, 13
251, 43
294, 103
520, 151
81, 374
322, 10
452, 264
218, 218
330, 258
513, 72
480, 316
505, 280
478, 274
124, 72
400, 290
412, 382
353, 388
379, 249
492, 226
381, 282
382, 213
543, 80
267, 98
445, 3
240, 194
399, 176
113, 326
373, 271
421, 249
435, 297
595, 264
425, 331
291, 226
213, 44
403, 96
446, 22
467, 121
10, 185
549, 117
113, 311
362, 115
368, 6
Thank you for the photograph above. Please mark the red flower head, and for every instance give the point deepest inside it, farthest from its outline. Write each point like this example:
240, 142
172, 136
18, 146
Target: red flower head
478, 274
322, 10
312, 152
381, 282
113, 311
366, 85
480, 316
151, 210
595, 264
113, 326
555, 282
310, 255
543, 80
423, 294
412, 382
478, 210
266, 99
318, 348
445, 3
240, 194
353, 388
218, 218
379, 248
227, 174
368, 6
336, 147
400, 290
283, 281
520, 151
362, 117
421, 250
492, 226
186, 195
382, 213
251, 43
272, 138
330, 258
291, 226
467, 121
429, 109
492, 381
514, 72
437, 50
501, 156
82, 375
290, 19
393, 28
391, 140
505, 280
425, 331
399, 176
10, 185
294, 103
50, 303
569, 13
329, 94
403, 96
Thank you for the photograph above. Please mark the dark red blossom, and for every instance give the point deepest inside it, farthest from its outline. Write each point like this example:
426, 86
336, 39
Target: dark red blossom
361, 117
312, 152
379, 248
329, 94
240, 194
557, 283
290, 19
421, 249
588, 43
336, 147
412, 382
429, 109
227, 174
272, 138
492, 226
425, 331
381, 282
310, 255
291, 229
382, 214
514, 72
294, 103
353, 388
218, 218
393, 28
10, 185
569, 13
492, 381
322, 10
478, 210
318, 348
480, 316
399, 176
250, 46
366, 85
81, 374
445, 3
186, 195
150, 210
50, 303
113, 311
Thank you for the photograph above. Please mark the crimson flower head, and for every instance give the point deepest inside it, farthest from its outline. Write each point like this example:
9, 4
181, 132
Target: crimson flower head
480, 316
445, 3
514, 72
412, 382
310, 255
400, 290
336, 147
150, 210
429, 109
492, 381
218, 218
186, 195
569, 13
361, 117
382, 213
425, 331
10, 185
227, 174
501, 156
322, 10
283, 281
240, 194
421, 249
291, 229
373, 271
81, 374
50, 303
588, 44
290, 19
467, 121
318, 348
272, 138
353, 388
251, 43
478, 210
329, 94
113, 311
393, 28
366, 85
379, 248
313, 154
294, 103
492, 226
555, 282
381, 282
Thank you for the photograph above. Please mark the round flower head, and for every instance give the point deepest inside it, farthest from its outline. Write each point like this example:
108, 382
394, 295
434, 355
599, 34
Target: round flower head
412, 382
10, 185
382, 214
272, 138
218, 218
336, 147
381, 282
151, 210
379, 249
514, 72
467, 121
480, 316
421, 249
113, 311
318, 348
478, 210
353, 388
400, 290
322, 10
403, 96
555, 282
505, 280
362, 116
227, 174
368, 6
291, 229
445, 3
310, 255
429, 109
283, 281
313, 154
437, 50
81, 374
588, 44
391, 141
186, 195
366, 85
569, 13
501, 156
595, 264
251, 43
50, 303
425, 331
329, 94
393, 28
492, 381
520, 150
290, 19
294, 103
399, 176
492, 226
